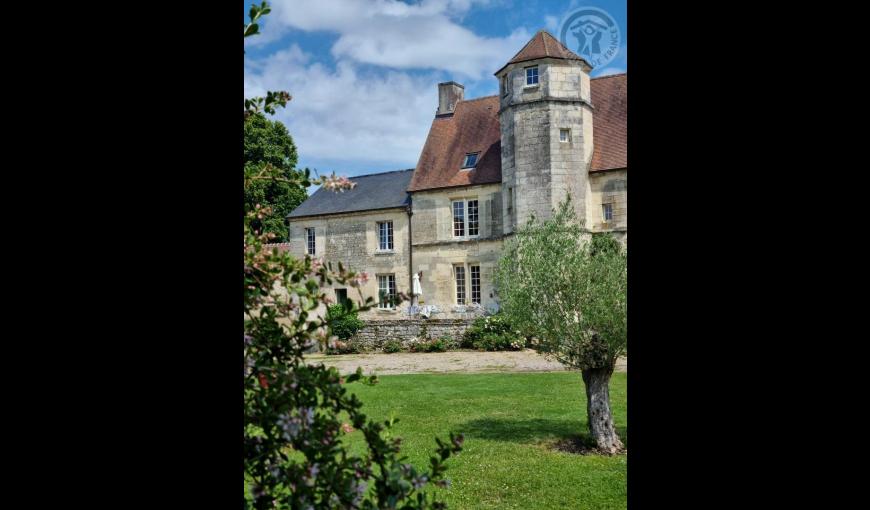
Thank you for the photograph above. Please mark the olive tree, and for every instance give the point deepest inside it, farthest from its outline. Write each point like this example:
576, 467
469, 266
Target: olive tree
567, 289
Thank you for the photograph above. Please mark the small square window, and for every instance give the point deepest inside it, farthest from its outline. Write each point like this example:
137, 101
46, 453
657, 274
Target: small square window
564, 135
607, 211
470, 160
532, 75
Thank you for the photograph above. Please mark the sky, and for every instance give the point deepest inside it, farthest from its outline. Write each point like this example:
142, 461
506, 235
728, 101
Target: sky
363, 73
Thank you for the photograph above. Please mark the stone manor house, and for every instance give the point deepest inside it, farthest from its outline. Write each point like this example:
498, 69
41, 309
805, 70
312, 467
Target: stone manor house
488, 164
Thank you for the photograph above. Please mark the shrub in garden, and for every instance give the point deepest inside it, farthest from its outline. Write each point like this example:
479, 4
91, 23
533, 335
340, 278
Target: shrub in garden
493, 333
393, 345
441, 344
344, 322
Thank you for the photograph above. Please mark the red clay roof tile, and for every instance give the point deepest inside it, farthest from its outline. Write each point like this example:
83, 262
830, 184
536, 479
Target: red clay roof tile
474, 127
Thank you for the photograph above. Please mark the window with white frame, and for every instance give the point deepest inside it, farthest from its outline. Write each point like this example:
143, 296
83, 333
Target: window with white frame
461, 208
459, 218
532, 75
607, 212
459, 276
386, 291
564, 135
310, 240
385, 235
475, 283
470, 160
473, 218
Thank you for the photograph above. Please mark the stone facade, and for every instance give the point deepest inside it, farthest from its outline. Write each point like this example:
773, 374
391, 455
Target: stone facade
538, 168
436, 251
352, 239
608, 187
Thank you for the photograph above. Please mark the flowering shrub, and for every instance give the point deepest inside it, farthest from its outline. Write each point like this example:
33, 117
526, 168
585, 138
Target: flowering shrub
441, 344
295, 413
493, 333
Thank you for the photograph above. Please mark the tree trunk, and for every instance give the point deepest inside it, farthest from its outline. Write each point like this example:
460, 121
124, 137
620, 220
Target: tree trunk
597, 381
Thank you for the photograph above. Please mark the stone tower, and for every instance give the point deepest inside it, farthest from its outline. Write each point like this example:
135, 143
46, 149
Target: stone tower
545, 113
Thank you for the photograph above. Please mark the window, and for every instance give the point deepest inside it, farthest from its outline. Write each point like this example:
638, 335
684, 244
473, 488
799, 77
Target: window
458, 219
504, 85
460, 208
385, 235
473, 223
564, 135
475, 284
607, 212
459, 272
386, 291
532, 75
470, 160
340, 296
311, 241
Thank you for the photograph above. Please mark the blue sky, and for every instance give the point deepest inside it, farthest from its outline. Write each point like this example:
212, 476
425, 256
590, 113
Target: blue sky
364, 73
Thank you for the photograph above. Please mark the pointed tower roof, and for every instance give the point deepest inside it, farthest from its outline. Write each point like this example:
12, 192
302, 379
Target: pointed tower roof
543, 45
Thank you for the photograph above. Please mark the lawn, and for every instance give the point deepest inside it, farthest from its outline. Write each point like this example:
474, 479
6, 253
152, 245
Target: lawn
509, 422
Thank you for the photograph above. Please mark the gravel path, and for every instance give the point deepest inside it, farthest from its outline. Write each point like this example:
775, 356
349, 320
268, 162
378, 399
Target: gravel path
438, 362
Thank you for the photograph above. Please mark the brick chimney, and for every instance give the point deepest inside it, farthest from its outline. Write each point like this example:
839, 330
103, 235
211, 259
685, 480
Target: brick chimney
449, 94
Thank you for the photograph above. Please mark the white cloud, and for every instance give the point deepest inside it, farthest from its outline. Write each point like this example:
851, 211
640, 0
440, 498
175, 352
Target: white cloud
394, 34
352, 112
346, 114
552, 24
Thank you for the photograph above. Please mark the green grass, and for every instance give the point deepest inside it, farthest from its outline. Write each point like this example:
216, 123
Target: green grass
509, 421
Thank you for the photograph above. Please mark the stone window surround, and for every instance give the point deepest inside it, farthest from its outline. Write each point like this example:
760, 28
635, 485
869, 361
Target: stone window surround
388, 277
390, 236
310, 241
537, 76
465, 216
467, 283
607, 207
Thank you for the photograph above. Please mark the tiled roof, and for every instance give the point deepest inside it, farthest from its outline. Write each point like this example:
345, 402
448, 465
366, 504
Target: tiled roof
543, 45
473, 127
374, 191
609, 129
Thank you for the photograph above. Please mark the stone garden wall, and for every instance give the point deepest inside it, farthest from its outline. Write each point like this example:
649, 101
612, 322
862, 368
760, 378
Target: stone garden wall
376, 332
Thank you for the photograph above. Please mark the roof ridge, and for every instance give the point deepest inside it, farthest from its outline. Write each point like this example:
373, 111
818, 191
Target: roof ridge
381, 173
609, 76
477, 98
544, 40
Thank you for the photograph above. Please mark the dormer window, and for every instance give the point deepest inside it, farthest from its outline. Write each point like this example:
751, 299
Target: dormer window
531, 76
470, 160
